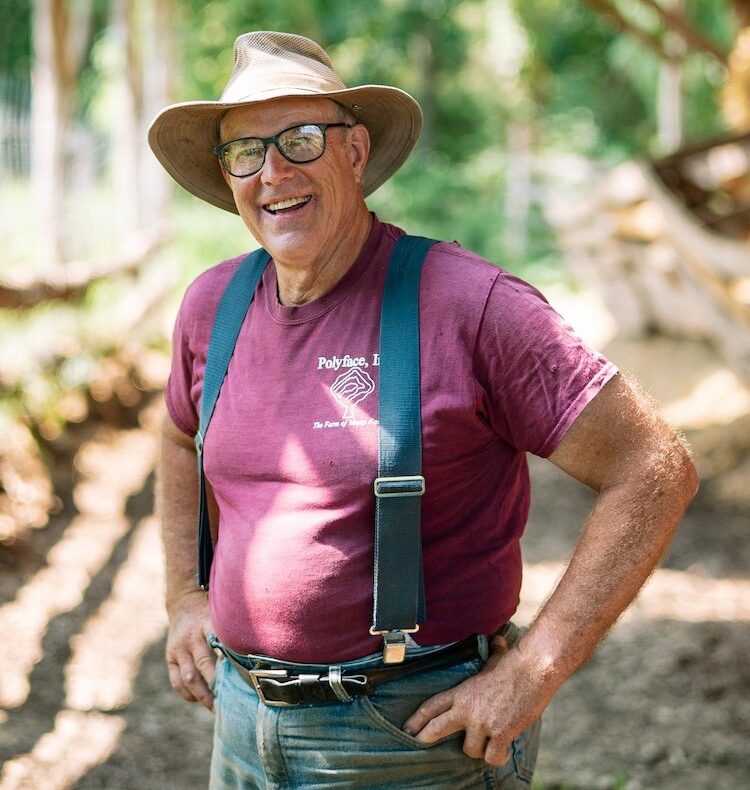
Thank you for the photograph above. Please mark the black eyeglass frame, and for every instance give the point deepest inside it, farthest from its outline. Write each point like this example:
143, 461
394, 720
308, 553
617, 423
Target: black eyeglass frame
266, 141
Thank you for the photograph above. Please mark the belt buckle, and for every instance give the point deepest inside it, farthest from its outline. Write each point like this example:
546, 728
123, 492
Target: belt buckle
268, 673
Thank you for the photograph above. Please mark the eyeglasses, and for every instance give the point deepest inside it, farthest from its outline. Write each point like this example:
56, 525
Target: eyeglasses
298, 144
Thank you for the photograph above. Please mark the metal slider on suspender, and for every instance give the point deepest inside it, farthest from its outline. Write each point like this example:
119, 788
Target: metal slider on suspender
407, 485
394, 643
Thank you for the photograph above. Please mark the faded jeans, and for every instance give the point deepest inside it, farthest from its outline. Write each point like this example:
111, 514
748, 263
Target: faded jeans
357, 744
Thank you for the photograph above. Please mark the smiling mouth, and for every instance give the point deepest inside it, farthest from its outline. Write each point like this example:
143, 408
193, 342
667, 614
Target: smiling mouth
290, 204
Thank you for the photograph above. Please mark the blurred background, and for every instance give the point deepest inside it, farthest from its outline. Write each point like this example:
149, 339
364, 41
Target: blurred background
599, 148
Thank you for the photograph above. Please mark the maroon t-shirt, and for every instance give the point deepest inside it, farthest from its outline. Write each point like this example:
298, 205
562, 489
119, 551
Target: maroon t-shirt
291, 452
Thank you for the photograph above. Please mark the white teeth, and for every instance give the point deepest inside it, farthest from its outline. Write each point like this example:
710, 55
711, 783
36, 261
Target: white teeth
295, 201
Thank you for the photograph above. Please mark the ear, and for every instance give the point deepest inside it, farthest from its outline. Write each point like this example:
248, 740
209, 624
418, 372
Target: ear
359, 145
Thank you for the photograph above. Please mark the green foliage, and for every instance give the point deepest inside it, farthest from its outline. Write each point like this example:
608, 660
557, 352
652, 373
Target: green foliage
595, 89
583, 86
205, 235
15, 37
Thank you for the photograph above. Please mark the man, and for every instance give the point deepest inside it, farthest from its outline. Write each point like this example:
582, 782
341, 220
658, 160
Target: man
293, 449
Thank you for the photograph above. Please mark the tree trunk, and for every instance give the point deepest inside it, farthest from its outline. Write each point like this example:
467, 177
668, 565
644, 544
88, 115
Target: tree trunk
741, 10
125, 127
157, 25
422, 50
517, 187
51, 89
669, 96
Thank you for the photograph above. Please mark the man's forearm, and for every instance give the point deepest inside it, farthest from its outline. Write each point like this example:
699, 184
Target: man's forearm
625, 535
178, 507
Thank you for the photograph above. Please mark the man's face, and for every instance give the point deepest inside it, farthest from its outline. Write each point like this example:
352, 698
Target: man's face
326, 192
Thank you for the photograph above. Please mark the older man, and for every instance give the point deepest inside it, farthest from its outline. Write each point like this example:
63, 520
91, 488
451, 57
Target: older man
305, 698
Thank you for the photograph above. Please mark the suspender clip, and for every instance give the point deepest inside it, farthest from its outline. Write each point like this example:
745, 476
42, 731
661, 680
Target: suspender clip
394, 644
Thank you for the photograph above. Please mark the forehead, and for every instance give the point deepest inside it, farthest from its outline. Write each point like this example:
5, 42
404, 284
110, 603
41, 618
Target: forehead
263, 120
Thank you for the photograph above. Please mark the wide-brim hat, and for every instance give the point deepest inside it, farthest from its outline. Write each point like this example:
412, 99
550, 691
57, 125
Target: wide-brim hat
269, 65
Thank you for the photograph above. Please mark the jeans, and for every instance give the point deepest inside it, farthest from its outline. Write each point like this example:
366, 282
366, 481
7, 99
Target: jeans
356, 745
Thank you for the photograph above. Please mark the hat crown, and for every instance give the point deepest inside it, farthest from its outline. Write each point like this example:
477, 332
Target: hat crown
267, 60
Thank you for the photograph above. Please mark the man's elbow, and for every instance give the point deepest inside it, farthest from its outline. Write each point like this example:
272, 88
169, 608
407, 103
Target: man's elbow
689, 475
677, 472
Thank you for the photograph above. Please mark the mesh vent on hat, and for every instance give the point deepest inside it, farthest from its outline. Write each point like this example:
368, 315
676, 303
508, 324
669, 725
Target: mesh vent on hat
265, 50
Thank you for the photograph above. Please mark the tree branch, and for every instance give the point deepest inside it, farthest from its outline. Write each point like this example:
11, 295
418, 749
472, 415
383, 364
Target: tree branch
649, 40
675, 21
72, 280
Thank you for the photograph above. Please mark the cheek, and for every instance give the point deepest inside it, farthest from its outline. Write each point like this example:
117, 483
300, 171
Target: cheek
342, 188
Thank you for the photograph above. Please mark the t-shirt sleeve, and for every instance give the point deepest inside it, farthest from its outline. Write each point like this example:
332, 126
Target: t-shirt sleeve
535, 373
178, 395
190, 338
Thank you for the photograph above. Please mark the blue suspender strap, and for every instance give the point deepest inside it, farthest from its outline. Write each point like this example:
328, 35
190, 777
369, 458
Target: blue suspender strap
398, 578
230, 316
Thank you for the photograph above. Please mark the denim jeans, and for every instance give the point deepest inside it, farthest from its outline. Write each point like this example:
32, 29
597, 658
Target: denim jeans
356, 745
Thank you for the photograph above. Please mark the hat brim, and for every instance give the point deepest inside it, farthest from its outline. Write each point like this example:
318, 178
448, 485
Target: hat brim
184, 135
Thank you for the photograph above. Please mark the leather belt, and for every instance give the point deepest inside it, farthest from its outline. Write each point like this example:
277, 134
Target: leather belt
278, 687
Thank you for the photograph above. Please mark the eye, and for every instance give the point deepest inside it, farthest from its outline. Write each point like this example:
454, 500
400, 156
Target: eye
302, 141
244, 148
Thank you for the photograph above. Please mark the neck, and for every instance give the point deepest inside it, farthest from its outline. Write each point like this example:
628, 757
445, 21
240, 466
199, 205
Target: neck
303, 281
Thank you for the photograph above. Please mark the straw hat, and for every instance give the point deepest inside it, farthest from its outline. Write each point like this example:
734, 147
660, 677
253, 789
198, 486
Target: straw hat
270, 65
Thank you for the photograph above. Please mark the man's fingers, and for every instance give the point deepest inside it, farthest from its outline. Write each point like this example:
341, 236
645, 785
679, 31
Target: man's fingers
430, 708
497, 752
441, 726
475, 743
175, 680
205, 660
194, 682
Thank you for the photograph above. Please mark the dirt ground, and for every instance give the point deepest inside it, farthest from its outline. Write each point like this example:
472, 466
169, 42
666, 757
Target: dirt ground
665, 703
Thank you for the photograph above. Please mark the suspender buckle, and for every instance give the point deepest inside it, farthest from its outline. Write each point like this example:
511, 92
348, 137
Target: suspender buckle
408, 485
394, 644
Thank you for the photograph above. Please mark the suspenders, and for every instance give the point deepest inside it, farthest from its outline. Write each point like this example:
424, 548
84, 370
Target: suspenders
230, 316
398, 578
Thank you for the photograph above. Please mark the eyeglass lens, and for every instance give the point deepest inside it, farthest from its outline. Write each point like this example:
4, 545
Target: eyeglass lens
298, 144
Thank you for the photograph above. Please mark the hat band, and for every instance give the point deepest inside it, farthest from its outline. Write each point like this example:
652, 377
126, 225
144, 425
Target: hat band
243, 90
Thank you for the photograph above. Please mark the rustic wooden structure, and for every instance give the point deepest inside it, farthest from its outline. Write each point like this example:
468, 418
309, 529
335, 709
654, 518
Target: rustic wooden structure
668, 242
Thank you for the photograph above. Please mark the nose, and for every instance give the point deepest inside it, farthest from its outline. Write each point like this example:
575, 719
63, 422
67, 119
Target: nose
275, 168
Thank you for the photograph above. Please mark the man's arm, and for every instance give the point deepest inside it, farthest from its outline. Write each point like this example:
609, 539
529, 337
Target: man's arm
645, 480
191, 663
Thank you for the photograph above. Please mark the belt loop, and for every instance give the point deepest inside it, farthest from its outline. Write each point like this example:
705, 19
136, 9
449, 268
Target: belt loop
334, 679
482, 647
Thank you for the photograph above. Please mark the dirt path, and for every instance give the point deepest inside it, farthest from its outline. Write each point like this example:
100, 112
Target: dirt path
665, 703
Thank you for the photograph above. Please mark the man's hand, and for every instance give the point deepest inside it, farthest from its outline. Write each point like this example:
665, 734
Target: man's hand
190, 661
492, 708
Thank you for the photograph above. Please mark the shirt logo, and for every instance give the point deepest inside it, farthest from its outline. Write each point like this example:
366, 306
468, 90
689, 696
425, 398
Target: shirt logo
351, 388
